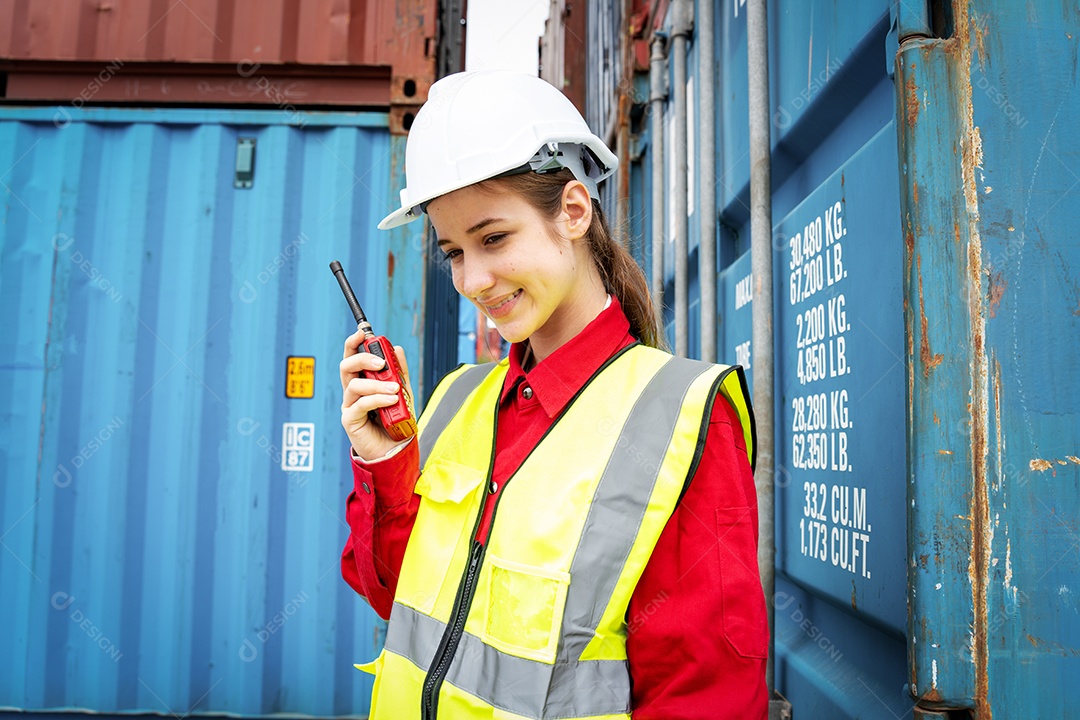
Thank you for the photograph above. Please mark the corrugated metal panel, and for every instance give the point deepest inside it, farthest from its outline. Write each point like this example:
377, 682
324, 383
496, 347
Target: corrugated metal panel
967, 599
326, 32
156, 555
267, 52
604, 52
993, 316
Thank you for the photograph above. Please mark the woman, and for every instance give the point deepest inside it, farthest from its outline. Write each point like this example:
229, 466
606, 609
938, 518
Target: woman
573, 533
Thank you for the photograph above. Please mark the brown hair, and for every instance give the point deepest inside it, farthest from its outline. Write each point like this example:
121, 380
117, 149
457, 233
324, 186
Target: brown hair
621, 275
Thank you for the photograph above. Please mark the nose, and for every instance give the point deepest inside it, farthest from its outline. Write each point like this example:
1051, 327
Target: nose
473, 277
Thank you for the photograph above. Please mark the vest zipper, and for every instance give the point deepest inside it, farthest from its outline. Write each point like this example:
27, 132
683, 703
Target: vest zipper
444, 655
448, 647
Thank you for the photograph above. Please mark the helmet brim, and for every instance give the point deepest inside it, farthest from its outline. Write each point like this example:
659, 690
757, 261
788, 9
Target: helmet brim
401, 216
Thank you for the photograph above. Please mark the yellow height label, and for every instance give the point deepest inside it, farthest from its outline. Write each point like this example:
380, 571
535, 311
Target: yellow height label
300, 377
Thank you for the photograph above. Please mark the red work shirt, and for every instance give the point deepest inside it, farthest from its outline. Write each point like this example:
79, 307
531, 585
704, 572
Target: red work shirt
697, 632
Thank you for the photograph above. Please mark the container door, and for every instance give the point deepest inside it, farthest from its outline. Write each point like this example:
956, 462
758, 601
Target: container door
840, 596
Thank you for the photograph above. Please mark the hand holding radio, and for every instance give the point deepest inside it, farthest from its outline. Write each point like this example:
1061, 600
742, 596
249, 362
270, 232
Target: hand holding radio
376, 410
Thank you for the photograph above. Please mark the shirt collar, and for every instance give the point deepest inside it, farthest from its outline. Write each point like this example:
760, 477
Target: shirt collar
556, 378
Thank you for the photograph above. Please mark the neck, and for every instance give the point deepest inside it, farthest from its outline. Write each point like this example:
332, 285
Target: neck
572, 319
527, 357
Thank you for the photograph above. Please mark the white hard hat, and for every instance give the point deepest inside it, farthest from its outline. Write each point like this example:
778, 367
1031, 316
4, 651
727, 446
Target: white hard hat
478, 125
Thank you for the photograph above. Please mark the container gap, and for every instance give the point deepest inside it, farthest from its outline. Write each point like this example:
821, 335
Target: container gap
941, 18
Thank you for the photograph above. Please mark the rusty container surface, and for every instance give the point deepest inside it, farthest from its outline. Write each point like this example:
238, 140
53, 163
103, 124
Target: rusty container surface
990, 167
268, 52
925, 180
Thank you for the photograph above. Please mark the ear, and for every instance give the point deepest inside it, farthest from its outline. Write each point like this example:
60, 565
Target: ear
576, 216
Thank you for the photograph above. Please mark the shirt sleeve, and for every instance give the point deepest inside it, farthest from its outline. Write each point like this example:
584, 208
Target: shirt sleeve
697, 625
380, 510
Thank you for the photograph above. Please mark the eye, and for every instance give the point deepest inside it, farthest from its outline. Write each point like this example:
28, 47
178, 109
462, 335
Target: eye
451, 255
495, 239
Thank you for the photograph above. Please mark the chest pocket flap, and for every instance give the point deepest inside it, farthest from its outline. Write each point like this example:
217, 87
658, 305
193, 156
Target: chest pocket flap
447, 481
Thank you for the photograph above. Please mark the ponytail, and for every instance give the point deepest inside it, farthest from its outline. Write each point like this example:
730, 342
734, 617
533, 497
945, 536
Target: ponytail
622, 277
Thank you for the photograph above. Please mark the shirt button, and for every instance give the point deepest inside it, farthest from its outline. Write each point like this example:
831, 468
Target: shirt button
527, 393
494, 488
365, 487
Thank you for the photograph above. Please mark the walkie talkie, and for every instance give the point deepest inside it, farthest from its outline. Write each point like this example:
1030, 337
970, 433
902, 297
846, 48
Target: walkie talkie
399, 419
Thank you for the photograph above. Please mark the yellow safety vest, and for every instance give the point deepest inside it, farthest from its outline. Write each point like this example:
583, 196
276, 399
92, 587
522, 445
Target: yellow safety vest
533, 624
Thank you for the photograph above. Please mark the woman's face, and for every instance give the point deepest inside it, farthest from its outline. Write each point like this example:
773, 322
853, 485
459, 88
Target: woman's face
531, 275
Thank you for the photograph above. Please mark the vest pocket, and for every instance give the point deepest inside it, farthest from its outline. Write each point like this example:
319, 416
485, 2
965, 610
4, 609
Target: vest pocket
524, 609
746, 624
443, 524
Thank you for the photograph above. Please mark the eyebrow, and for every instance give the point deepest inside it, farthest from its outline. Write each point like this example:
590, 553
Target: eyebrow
475, 228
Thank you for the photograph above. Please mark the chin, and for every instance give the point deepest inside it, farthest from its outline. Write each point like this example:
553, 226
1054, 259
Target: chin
515, 331
512, 336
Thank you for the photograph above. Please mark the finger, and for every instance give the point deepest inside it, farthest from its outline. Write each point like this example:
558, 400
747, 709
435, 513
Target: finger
352, 365
354, 420
353, 415
366, 387
352, 343
362, 361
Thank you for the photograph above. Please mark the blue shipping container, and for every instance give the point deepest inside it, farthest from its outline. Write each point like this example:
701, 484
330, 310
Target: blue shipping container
990, 168
171, 520
927, 317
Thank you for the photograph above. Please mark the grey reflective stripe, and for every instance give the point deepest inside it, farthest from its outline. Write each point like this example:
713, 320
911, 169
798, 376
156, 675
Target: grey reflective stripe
524, 687
413, 635
620, 499
451, 402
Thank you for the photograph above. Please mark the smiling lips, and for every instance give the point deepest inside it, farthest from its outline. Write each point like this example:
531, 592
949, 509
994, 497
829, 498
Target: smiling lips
503, 307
